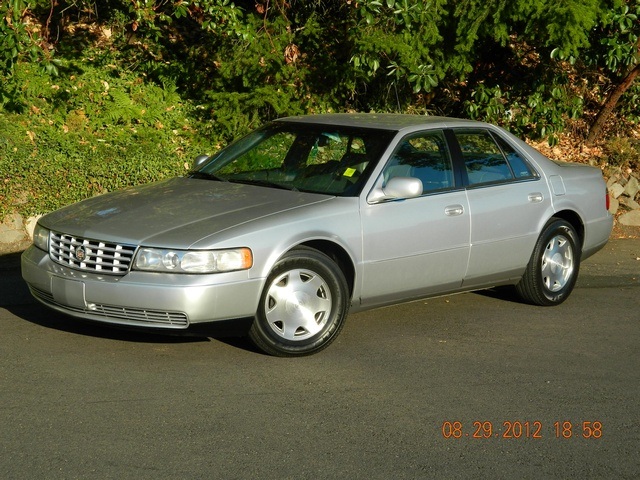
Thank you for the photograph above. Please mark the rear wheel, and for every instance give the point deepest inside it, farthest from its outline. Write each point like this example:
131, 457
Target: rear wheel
303, 306
553, 269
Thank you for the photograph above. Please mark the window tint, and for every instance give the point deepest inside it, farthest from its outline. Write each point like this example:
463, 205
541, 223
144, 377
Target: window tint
424, 156
483, 158
520, 167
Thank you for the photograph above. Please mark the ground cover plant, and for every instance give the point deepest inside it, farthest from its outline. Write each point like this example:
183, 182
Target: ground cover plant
97, 95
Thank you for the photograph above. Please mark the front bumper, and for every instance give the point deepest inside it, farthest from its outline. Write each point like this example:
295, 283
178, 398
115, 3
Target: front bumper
141, 299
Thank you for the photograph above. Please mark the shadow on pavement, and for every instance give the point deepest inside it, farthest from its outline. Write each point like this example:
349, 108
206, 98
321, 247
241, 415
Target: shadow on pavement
16, 298
42, 316
617, 265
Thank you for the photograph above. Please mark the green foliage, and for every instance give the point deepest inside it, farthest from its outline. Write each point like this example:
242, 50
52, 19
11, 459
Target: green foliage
21, 38
564, 25
623, 152
89, 133
542, 113
17, 37
629, 108
614, 43
110, 93
396, 51
19, 41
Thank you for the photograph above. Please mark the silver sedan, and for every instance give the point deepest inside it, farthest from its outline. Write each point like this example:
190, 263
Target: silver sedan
289, 228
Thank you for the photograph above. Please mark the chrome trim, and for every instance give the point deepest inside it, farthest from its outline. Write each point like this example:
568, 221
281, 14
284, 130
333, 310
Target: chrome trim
123, 315
90, 255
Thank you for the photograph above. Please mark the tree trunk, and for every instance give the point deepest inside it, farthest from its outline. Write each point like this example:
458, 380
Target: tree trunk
611, 102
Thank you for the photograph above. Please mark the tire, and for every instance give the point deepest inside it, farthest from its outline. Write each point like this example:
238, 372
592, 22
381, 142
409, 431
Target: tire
553, 269
303, 306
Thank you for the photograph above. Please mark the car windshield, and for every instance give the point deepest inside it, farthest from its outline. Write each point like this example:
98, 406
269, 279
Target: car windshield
325, 159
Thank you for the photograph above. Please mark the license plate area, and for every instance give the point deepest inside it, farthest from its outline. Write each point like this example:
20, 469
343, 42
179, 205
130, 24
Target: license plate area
68, 292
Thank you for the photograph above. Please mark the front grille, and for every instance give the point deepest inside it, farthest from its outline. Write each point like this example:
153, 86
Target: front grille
90, 255
124, 315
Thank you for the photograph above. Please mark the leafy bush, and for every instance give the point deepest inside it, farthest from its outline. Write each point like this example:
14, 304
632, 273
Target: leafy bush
89, 132
540, 114
98, 95
623, 152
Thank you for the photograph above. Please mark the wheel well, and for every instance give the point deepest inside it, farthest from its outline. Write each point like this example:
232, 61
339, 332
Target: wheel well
338, 255
574, 219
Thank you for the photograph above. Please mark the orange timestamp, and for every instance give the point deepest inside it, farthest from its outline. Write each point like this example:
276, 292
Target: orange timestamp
509, 429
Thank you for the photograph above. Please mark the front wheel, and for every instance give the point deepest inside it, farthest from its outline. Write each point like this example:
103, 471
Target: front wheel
553, 269
303, 306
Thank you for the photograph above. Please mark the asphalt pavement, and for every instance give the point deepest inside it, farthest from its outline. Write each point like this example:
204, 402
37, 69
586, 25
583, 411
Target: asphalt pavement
466, 386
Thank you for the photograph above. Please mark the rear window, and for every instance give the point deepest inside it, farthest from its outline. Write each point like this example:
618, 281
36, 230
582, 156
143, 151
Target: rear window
520, 167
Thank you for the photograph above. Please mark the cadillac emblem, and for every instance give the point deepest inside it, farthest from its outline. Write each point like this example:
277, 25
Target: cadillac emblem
80, 254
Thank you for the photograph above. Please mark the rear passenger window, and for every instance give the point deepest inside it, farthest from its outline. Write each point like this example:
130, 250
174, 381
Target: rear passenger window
424, 156
521, 169
483, 158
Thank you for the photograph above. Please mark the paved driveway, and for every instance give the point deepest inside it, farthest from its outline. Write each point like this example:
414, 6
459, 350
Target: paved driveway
80, 401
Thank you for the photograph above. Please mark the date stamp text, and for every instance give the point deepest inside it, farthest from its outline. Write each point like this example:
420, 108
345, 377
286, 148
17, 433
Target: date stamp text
508, 429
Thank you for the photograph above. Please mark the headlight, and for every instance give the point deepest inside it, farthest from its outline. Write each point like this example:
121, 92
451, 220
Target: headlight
193, 261
41, 237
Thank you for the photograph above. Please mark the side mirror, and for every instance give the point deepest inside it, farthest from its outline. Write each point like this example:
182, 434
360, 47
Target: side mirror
397, 188
199, 160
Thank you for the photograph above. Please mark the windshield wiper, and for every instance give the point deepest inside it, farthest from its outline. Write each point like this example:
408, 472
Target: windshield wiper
265, 183
206, 176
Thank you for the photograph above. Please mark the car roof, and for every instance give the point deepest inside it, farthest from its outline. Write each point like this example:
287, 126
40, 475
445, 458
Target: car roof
382, 121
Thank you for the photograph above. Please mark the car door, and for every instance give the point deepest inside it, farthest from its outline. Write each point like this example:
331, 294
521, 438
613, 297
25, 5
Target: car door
416, 246
507, 201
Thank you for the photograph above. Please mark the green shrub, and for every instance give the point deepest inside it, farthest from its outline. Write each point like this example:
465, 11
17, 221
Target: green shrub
623, 152
89, 132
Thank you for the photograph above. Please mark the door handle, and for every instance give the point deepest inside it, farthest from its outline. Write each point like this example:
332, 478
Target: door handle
454, 210
536, 197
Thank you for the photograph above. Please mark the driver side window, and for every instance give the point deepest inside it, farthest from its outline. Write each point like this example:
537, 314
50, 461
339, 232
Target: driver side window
424, 156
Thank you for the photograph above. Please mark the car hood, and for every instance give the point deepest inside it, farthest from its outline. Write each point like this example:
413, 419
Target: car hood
173, 213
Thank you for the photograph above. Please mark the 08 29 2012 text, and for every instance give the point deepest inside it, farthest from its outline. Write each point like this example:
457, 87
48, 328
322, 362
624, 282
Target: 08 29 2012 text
516, 429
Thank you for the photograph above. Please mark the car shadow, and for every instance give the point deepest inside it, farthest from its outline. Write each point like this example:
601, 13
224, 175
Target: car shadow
40, 315
10, 261
506, 293
16, 299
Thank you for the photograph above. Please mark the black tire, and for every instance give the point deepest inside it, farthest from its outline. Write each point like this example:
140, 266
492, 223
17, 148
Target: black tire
303, 306
553, 269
